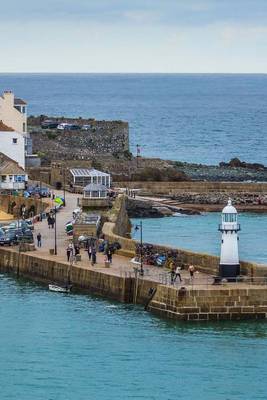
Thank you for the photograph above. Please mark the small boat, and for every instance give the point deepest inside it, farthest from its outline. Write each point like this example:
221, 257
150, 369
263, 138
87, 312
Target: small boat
62, 289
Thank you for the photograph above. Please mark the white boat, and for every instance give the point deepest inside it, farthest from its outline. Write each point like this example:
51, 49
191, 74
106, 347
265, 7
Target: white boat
62, 289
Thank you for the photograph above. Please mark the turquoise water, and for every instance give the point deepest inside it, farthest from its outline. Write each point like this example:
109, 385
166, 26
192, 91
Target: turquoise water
62, 347
200, 233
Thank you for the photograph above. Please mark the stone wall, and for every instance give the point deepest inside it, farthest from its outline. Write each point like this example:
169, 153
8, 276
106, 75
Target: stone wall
13, 205
41, 269
221, 303
173, 188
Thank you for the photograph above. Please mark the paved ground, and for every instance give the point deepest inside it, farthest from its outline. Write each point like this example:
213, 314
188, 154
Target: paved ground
120, 265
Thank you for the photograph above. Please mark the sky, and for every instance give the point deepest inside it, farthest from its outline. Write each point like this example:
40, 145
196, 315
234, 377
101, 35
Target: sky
188, 36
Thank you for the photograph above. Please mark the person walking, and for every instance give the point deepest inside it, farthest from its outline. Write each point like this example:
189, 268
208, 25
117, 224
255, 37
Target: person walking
49, 221
109, 256
52, 222
93, 256
178, 273
76, 250
191, 270
172, 272
39, 240
69, 251
89, 250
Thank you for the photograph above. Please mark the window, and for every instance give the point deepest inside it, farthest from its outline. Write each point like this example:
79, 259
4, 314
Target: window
24, 127
3, 177
230, 217
14, 140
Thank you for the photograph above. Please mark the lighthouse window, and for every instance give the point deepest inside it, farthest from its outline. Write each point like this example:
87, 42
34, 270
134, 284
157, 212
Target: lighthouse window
230, 217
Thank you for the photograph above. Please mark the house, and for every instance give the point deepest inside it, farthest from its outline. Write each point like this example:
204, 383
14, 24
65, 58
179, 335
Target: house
82, 177
12, 144
13, 117
13, 112
12, 176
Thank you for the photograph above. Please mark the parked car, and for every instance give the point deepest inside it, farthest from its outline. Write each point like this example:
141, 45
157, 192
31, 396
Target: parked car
29, 224
49, 124
86, 127
68, 127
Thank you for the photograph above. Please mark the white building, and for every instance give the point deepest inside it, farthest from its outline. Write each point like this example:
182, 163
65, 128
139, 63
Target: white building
12, 144
229, 260
95, 191
12, 176
83, 177
13, 112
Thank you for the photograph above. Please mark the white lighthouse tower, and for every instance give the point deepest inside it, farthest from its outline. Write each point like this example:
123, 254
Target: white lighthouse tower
229, 261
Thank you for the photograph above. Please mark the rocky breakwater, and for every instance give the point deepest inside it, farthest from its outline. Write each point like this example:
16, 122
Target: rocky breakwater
234, 171
137, 208
218, 198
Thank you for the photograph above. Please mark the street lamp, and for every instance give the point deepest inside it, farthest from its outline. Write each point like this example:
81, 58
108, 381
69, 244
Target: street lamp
41, 202
64, 189
55, 249
138, 151
137, 227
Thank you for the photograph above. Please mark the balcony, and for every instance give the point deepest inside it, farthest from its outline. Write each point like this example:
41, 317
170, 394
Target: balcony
229, 227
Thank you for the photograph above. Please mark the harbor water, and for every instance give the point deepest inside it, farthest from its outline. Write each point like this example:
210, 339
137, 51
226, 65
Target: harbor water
65, 347
200, 233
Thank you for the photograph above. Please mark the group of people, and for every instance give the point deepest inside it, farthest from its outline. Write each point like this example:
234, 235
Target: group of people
175, 272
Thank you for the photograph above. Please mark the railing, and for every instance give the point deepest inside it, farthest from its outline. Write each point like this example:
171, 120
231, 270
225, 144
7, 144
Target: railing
165, 278
234, 227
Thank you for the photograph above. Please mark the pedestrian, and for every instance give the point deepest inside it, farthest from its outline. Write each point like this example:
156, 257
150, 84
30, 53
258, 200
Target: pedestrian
109, 256
93, 256
52, 222
39, 240
69, 251
191, 270
172, 272
89, 250
178, 273
76, 249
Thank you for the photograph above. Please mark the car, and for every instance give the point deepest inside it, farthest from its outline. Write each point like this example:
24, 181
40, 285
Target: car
64, 126
44, 192
68, 127
86, 127
29, 224
49, 124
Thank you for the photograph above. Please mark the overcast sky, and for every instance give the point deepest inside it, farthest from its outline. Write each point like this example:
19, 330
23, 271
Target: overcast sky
133, 36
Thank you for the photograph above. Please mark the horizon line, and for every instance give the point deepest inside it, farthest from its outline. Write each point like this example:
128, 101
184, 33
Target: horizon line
131, 73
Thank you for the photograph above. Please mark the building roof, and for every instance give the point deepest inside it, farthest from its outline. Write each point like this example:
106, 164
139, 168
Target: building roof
83, 172
5, 128
9, 166
93, 187
19, 102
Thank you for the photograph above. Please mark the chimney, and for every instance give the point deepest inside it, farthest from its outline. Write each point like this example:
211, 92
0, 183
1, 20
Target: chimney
8, 95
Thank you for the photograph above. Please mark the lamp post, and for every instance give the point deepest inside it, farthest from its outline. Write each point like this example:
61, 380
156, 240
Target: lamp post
64, 189
138, 151
137, 227
41, 202
55, 249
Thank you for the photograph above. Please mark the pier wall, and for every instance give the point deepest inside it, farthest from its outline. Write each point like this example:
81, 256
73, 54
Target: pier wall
171, 188
47, 270
213, 304
191, 304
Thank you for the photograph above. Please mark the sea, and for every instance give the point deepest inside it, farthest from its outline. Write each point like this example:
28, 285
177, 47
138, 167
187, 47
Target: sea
204, 118
56, 346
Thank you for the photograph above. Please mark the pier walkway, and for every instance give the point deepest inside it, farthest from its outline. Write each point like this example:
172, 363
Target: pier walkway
121, 266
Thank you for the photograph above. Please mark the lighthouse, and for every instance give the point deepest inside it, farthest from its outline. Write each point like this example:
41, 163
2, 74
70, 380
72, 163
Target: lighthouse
229, 260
